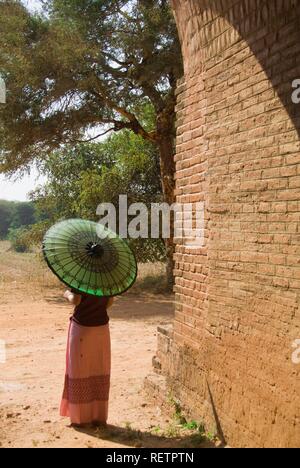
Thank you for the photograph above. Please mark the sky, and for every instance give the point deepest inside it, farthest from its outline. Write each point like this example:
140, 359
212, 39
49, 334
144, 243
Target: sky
33, 5
18, 191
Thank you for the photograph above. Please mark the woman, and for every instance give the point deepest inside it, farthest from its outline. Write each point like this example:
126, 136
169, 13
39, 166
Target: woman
87, 381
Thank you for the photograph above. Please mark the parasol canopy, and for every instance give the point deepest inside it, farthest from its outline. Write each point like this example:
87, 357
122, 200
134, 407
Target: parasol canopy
90, 258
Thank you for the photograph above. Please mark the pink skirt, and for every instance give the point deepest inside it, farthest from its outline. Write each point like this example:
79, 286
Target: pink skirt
87, 381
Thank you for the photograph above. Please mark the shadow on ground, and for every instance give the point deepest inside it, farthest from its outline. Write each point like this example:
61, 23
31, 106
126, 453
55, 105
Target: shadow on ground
142, 306
138, 439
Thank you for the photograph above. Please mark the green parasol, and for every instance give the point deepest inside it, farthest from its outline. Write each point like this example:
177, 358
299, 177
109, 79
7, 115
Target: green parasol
90, 258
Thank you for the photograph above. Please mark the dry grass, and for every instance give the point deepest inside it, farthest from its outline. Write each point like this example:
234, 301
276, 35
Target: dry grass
151, 278
24, 270
19, 271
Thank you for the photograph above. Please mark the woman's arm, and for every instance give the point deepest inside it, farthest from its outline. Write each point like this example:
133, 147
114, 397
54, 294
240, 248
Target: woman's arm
74, 299
110, 302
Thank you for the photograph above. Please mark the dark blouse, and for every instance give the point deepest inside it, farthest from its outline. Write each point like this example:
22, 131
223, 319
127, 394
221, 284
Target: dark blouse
92, 311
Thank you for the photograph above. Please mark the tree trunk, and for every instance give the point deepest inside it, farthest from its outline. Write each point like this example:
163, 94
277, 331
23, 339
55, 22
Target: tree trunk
167, 165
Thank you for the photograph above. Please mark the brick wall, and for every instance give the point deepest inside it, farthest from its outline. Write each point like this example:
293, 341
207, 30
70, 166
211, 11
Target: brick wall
238, 149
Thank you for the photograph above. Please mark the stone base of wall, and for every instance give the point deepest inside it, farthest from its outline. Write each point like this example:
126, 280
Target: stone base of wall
180, 373
165, 382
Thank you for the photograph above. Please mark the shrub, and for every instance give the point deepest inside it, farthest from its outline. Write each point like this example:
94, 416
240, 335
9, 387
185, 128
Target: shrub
17, 238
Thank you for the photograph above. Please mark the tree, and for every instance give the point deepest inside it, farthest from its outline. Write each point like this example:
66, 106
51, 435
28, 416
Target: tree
84, 65
81, 178
5, 218
23, 215
15, 215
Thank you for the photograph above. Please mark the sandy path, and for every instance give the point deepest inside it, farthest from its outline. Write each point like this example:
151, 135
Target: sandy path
31, 380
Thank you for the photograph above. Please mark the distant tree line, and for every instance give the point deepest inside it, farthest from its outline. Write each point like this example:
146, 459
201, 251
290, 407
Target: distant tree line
16, 218
15, 215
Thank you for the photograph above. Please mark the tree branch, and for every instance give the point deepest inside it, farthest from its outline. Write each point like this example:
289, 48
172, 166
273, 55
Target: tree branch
132, 124
94, 138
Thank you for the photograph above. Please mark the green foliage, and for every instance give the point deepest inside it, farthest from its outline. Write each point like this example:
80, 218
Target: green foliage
15, 215
191, 426
81, 178
34, 234
17, 239
23, 215
26, 238
130, 167
5, 218
82, 65
63, 169
198, 428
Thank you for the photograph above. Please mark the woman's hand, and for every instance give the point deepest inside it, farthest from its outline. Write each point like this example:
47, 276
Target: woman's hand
67, 294
74, 299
